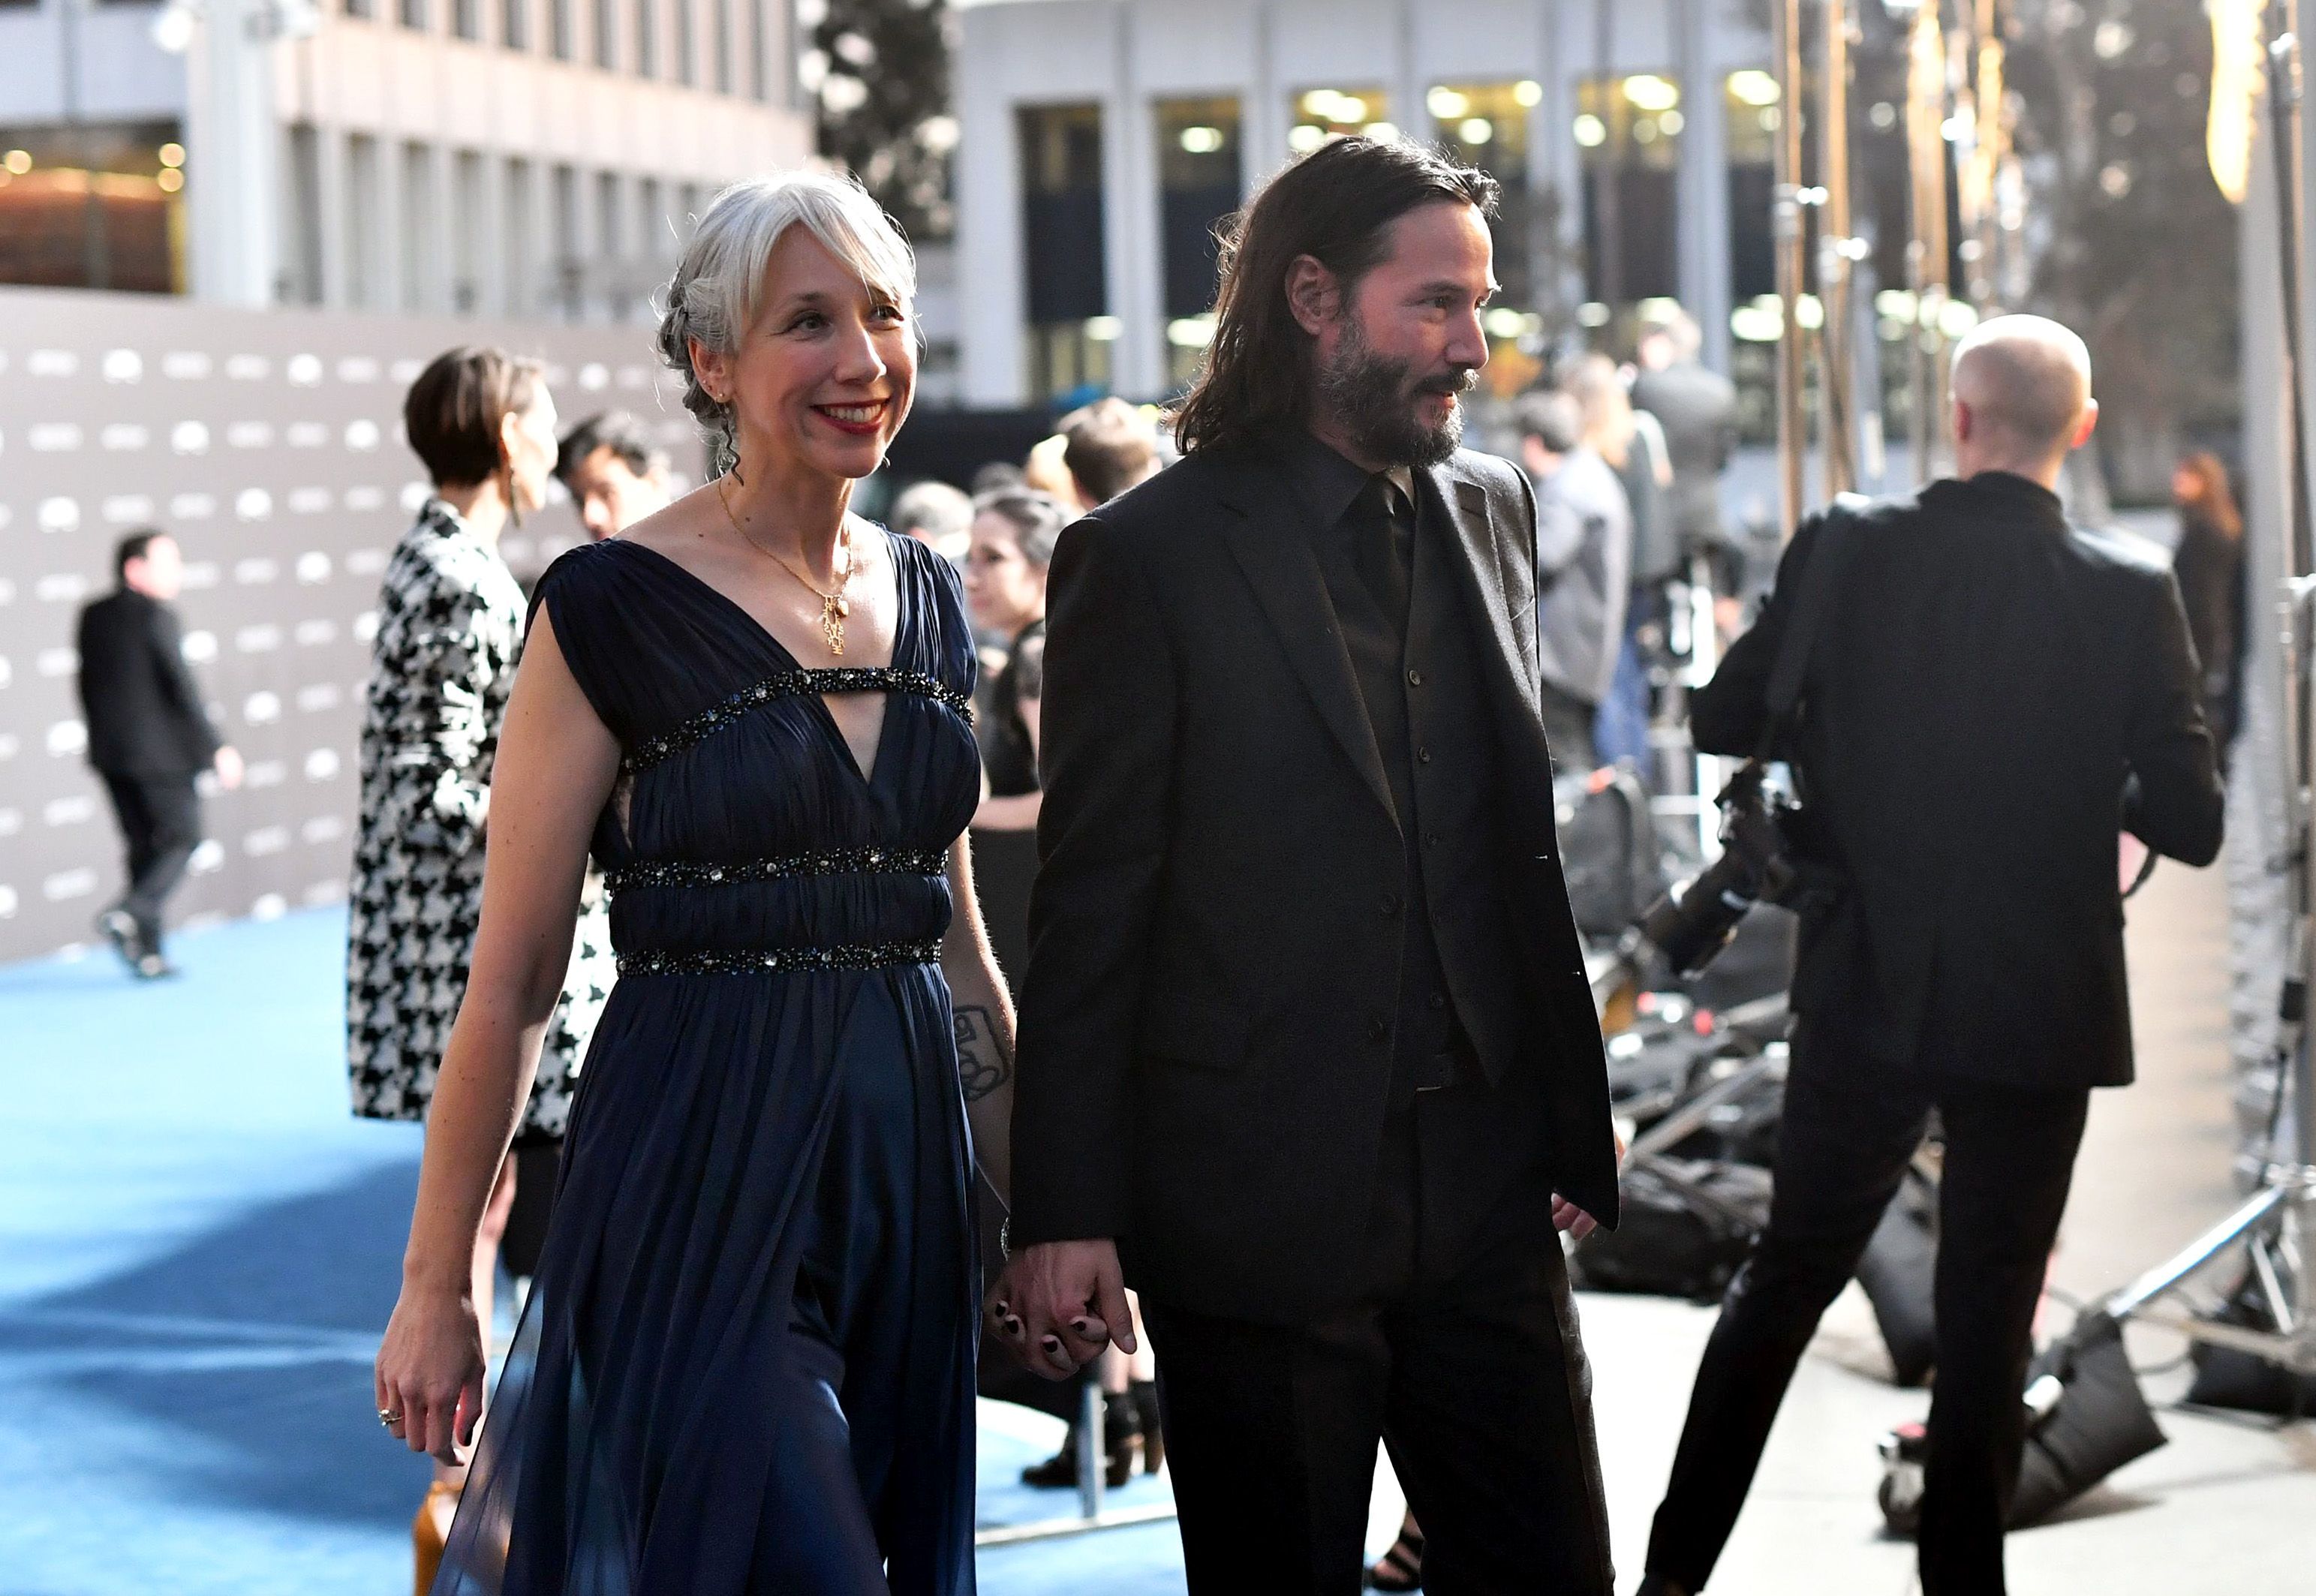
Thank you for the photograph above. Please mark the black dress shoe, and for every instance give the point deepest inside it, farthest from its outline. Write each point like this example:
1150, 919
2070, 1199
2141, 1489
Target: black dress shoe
118, 927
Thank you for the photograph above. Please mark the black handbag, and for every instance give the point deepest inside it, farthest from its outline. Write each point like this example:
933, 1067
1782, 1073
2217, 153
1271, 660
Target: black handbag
1687, 1228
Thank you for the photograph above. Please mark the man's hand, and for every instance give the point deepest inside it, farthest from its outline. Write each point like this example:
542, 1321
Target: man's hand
1566, 1216
1055, 1302
227, 765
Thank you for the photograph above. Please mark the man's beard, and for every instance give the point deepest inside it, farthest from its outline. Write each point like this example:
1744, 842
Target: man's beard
1369, 396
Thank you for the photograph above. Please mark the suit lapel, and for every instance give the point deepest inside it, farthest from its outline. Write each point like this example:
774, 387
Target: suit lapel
1496, 584
1270, 535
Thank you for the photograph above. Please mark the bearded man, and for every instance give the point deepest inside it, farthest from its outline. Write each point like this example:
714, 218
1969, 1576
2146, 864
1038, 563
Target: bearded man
1307, 1045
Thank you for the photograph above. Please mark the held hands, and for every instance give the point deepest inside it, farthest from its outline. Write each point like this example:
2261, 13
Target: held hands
1054, 1307
430, 1373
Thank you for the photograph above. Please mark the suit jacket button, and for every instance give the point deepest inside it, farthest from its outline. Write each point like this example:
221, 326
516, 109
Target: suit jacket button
1390, 904
1415, 678
1379, 1030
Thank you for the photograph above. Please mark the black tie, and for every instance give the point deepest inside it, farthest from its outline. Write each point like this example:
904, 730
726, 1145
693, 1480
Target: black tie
1383, 545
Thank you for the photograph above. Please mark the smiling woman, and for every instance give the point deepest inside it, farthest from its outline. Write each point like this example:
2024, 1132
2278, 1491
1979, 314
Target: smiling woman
746, 1362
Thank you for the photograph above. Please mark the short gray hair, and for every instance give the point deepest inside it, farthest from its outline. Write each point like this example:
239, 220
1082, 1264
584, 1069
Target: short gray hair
719, 287
933, 508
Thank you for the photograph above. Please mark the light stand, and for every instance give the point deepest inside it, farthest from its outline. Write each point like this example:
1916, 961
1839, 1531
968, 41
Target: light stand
2278, 1223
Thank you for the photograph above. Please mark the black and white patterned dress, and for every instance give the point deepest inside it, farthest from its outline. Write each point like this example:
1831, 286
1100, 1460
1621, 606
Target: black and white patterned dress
450, 632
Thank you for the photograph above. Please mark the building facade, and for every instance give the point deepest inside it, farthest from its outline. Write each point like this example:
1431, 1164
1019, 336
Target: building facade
1101, 140
521, 159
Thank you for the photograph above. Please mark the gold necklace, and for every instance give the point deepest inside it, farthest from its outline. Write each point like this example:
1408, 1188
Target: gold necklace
833, 606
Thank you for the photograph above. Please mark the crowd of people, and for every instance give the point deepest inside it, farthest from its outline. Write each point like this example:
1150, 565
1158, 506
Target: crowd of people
1266, 699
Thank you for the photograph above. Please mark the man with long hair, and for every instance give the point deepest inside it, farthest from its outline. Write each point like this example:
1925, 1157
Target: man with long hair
1306, 1043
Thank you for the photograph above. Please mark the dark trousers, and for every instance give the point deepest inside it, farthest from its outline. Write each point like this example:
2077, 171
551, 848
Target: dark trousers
1478, 1384
1849, 1129
1568, 731
161, 823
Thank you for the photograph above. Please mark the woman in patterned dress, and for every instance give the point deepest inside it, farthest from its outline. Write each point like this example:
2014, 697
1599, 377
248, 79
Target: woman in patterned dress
449, 629
746, 1362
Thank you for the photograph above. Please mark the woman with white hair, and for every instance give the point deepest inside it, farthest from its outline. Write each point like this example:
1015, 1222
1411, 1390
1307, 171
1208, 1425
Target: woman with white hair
746, 1363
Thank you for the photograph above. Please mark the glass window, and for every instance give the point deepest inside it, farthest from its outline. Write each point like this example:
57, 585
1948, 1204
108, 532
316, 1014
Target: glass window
1200, 183
515, 22
1627, 131
128, 236
466, 18
1316, 115
301, 284
1071, 330
1487, 125
687, 69
760, 45
646, 38
559, 29
612, 243
417, 203
723, 45
519, 240
607, 34
466, 231
362, 244
355, 8
413, 14
566, 223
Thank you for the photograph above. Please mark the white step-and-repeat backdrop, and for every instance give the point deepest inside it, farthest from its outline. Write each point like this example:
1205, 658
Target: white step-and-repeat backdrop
270, 444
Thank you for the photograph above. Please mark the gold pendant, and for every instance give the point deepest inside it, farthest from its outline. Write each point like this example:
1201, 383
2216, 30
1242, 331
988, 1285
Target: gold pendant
832, 612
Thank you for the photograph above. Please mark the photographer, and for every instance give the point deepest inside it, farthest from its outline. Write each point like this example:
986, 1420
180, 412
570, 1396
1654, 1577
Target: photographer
1987, 690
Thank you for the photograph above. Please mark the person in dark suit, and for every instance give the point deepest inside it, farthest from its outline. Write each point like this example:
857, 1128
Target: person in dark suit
1697, 409
1306, 1042
1990, 691
148, 737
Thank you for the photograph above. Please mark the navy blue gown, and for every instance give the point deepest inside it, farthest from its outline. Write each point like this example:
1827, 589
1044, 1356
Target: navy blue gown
746, 1362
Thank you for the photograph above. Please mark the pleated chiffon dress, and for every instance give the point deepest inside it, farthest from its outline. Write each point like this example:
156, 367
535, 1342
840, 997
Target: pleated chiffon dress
746, 1362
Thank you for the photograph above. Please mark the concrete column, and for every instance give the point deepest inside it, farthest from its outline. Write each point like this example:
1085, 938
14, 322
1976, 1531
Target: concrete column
432, 229
1553, 155
989, 240
1130, 223
233, 184
1704, 180
490, 243
1262, 112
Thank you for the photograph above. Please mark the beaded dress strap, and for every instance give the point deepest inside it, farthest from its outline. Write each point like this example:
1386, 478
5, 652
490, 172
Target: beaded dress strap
834, 861
797, 684
856, 956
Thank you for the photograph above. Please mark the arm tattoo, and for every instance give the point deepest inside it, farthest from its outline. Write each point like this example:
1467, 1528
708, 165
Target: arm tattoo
982, 1065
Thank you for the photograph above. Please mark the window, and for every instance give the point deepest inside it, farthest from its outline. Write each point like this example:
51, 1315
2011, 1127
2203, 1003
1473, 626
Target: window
607, 25
611, 243
559, 29
519, 241
515, 23
569, 285
413, 14
363, 241
354, 8
301, 281
1317, 115
1628, 134
417, 236
1486, 124
655, 246
760, 45
722, 46
687, 69
466, 18
646, 38
1071, 330
1200, 183
467, 222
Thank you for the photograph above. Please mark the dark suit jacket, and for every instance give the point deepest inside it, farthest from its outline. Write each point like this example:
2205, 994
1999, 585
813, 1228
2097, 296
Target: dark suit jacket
1992, 694
1204, 1053
143, 707
1697, 409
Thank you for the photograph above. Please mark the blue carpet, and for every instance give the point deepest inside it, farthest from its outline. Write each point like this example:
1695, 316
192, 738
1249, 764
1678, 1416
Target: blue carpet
199, 1246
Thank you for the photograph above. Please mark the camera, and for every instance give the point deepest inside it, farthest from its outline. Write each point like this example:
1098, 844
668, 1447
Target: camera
1695, 921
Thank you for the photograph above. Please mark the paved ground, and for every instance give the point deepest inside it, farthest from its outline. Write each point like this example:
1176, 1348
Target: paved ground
197, 1248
